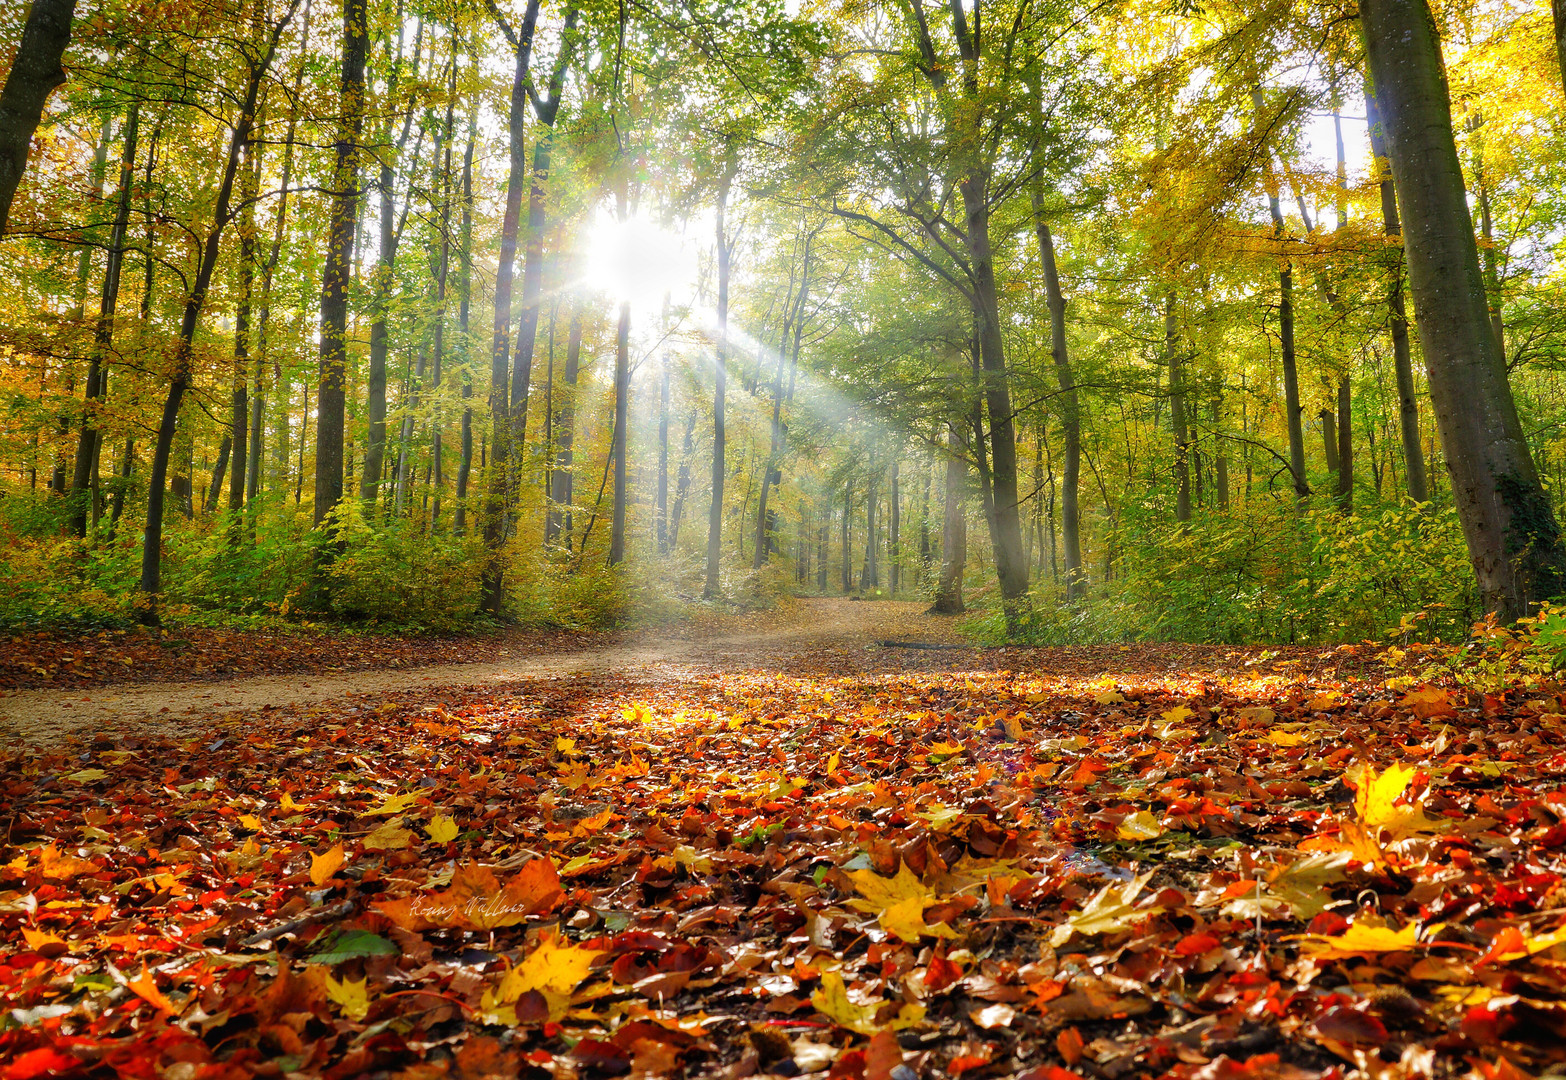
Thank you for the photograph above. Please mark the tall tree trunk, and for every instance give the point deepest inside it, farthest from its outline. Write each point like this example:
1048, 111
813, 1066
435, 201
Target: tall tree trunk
35, 73
1005, 520
1182, 463
1558, 17
1220, 460
712, 583
661, 507
1489, 260
492, 582
210, 501
150, 584
545, 109
682, 481
1345, 454
331, 389
1513, 539
848, 560
1070, 410
103, 332
954, 532
464, 302
1402, 360
622, 387
870, 573
894, 529
1293, 410
239, 423
1329, 437
561, 489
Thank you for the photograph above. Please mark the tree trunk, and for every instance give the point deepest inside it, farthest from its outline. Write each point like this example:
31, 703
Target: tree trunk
464, 302
682, 481
331, 390
1513, 539
622, 388
35, 73
1182, 464
239, 421
219, 470
103, 333
1006, 526
848, 559
1402, 361
1558, 14
151, 581
546, 110
661, 509
492, 581
870, 573
894, 529
712, 584
1329, 437
1293, 410
1345, 454
1070, 411
954, 533
561, 492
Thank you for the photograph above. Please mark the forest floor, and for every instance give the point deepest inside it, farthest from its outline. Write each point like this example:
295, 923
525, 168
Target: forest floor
771, 845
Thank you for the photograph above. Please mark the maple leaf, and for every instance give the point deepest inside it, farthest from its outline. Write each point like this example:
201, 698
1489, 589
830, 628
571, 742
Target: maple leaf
1375, 799
393, 804
322, 867
552, 969
1109, 911
442, 829
1300, 888
477, 900
833, 1001
350, 996
55, 866
1362, 938
44, 943
901, 901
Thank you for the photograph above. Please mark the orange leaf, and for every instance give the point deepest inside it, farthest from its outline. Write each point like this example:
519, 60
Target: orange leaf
1069, 1043
477, 900
146, 988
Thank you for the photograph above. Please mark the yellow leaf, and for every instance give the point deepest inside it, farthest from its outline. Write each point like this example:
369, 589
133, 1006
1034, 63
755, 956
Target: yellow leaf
1109, 697
566, 746
1108, 912
1141, 825
1289, 738
590, 825
394, 804
146, 988
349, 996
322, 867
1178, 714
442, 829
1256, 714
553, 969
251, 822
1353, 839
692, 859
946, 749
939, 816
901, 901
1375, 796
833, 762
287, 802
833, 1002
1361, 938
85, 776
389, 837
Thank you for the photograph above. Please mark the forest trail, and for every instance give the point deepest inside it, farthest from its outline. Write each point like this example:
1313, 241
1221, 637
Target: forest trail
830, 636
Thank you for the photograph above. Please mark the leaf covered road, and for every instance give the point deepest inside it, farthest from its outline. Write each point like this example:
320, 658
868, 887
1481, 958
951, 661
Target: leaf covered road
980, 872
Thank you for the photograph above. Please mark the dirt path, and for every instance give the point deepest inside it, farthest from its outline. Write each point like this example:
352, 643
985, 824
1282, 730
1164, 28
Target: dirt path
828, 635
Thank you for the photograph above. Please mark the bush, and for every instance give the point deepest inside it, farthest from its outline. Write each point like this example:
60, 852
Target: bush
400, 575
1266, 574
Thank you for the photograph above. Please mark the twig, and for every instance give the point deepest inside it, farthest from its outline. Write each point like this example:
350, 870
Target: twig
294, 924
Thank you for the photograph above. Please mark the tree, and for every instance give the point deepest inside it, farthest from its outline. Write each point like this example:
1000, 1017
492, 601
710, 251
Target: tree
35, 74
1513, 539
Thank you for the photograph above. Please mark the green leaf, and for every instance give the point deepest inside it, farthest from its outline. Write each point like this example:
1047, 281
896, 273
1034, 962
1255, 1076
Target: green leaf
353, 945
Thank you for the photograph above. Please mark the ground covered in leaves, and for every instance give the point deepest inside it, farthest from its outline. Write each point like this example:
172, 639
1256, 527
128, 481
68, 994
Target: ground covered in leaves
44, 659
920, 873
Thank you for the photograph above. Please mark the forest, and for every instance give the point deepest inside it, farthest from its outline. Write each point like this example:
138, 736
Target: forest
569, 539
1103, 322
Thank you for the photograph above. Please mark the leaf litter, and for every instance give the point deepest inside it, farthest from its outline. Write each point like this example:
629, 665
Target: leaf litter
981, 874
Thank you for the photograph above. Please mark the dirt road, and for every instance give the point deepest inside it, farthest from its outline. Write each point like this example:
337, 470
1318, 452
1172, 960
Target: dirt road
827, 635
